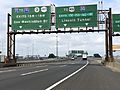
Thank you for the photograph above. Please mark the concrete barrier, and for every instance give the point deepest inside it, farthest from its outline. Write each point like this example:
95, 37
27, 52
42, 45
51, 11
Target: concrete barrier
115, 66
35, 62
7, 65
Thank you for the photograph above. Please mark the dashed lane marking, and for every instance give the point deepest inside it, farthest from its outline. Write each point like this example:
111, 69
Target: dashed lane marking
7, 70
24, 74
63, 66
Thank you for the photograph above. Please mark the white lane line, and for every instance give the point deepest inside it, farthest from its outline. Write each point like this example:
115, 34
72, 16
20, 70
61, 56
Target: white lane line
63, 66
57, 83
33, 72
7, 70
41, 66
72, 63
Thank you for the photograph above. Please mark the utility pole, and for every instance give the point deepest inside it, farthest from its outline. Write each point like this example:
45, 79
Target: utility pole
8, 30
110, 35
106, 40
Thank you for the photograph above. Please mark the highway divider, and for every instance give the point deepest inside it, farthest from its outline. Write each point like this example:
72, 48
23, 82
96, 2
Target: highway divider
115, 66
7, 65
35, 62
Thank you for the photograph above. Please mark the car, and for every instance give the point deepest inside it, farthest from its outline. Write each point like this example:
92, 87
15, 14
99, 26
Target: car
84, 57
73, 58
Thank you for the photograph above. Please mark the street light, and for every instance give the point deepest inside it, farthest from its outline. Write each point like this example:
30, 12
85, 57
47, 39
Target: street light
57, 45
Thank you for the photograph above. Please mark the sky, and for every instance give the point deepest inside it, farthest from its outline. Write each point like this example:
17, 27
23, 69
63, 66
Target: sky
44, 44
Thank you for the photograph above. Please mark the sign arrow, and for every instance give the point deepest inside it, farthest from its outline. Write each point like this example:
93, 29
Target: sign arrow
20, 26
86, 24
40, 26
65, 25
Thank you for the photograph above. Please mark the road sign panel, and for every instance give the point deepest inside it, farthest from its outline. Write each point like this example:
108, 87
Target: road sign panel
31, 18
116, 22
76, 16
116, 47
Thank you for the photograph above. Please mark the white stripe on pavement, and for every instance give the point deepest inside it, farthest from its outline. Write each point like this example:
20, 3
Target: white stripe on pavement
63, 66
41, 66
33, 72
54, 85
7, 70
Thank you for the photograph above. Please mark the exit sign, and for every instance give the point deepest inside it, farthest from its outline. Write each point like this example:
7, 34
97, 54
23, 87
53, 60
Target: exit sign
116, 22
31, 18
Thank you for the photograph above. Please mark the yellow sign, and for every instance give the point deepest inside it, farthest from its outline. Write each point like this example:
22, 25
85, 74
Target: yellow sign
116, 47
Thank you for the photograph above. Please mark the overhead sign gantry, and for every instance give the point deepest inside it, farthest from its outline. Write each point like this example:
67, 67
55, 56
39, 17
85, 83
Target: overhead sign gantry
40, 19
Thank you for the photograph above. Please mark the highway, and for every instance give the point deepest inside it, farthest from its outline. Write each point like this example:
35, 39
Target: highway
70, 75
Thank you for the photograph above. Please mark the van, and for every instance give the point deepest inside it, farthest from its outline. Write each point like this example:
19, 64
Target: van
84, 57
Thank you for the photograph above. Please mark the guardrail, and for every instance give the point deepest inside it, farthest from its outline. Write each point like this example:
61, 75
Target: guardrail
29, 63
35, 62
7, 65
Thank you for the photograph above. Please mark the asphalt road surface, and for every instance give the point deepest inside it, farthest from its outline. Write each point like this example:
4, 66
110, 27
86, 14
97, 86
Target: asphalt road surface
71, 75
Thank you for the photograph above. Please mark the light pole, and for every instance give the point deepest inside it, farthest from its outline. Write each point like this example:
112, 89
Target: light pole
57, 46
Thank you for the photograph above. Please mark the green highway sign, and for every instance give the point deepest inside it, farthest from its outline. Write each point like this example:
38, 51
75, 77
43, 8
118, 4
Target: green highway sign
77, 51
31, 18
76, 16
116, 22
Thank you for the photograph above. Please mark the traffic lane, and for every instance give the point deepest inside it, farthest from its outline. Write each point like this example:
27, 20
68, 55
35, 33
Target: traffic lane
23, 82
12, 73
17, 70
41, 64
93, 77
38, 81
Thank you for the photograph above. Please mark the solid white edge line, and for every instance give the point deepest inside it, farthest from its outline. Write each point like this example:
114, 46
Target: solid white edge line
54, 85
33, 72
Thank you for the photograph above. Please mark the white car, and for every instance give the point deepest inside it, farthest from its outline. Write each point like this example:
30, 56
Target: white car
73, 58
